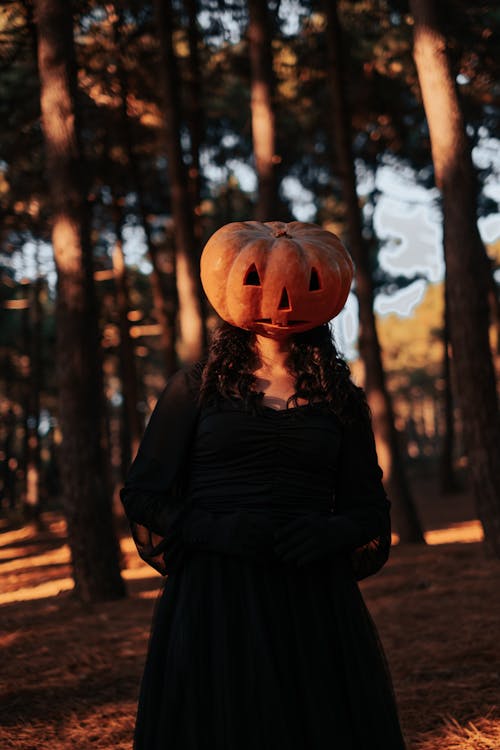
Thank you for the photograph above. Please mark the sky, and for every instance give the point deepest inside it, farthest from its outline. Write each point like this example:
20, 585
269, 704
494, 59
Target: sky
407, 221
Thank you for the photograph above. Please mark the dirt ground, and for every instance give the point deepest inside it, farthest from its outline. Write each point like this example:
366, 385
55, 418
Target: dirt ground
70, 674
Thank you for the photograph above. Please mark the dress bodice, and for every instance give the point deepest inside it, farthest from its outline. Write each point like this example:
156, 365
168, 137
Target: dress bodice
229, 457
278, 461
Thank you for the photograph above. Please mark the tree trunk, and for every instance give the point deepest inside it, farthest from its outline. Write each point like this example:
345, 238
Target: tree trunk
29, 508
132, 423
407, 521
448, 481
84, 456
466, 261
33, 337
163, 292
191, 318
195, 116
263, 118
9, 462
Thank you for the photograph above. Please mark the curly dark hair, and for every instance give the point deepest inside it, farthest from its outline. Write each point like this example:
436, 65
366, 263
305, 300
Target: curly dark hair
321, 374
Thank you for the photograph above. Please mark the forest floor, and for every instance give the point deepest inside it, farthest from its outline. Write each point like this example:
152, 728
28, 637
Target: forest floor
70, 674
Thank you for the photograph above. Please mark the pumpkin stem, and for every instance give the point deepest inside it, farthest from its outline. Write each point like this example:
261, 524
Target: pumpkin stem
281, 233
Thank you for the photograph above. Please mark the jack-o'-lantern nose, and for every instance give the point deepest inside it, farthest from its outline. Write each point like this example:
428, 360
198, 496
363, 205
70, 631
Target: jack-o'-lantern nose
284, 301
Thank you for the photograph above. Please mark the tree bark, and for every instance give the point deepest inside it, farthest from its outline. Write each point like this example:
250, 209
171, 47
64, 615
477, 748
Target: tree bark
83, 451
407, 521
448, 481
262, 110
9, 462
195, 115
191, 318
132, 423
33, 326
466, 262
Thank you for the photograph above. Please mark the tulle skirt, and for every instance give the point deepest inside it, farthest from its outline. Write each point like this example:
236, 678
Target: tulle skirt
251, 656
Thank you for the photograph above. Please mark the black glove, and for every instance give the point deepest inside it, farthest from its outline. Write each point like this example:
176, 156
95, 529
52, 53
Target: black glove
243, 533
315, 536
371, 557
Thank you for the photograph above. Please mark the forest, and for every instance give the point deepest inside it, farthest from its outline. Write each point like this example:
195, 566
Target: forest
130, 132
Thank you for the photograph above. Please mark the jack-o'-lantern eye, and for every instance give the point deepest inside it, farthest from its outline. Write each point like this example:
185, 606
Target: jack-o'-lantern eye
314, 283
252, 277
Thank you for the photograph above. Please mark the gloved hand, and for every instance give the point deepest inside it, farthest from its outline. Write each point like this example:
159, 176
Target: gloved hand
314, 536
242, 533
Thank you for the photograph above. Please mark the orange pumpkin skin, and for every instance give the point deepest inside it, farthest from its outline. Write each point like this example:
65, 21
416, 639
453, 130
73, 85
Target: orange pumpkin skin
275, 278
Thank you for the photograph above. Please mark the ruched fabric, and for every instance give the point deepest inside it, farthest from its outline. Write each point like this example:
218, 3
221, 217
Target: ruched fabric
254, 654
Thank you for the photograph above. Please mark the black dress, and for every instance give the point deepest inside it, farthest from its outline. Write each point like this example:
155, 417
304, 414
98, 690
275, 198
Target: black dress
254, 653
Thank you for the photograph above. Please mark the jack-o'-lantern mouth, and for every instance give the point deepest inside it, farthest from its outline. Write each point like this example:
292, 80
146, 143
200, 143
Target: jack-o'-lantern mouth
288, 323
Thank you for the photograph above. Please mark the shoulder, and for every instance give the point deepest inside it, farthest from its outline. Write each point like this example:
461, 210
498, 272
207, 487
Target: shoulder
356, 410
358, 437
184, 383
192, 376
190, 373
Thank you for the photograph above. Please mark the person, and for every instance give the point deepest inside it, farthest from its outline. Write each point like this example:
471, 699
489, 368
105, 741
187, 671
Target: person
256, 491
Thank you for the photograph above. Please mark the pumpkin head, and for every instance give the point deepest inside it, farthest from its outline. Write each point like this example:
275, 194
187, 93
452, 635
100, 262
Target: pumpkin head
275, 278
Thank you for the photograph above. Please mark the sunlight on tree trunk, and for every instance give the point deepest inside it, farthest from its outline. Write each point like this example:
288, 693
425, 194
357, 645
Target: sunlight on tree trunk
391, 460
192, 342
83, 452
466, 264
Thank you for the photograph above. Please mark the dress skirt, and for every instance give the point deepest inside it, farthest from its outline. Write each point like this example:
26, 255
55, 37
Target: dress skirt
250, 656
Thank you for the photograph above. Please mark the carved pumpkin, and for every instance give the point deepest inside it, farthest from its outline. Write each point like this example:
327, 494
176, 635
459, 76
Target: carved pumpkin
275, 278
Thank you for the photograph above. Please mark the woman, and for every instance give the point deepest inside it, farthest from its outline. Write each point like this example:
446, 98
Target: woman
257, 489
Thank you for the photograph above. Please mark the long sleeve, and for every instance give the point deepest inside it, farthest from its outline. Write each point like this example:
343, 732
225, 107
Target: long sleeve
153, 494
361, 502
